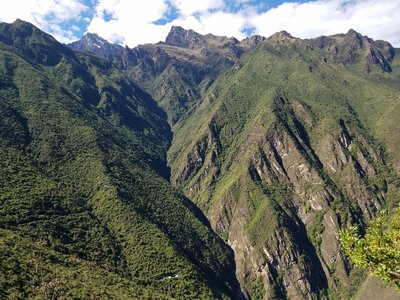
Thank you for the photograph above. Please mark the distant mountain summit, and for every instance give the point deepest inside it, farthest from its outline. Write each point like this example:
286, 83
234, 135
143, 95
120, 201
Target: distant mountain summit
281, 37
352, 46
280, 142
29, 41
175, 72
183, 38
252, 41
179, 70
341, 48
91, 42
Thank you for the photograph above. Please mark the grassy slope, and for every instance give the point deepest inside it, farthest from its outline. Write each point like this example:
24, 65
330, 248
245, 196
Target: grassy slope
85, 210
374, 288
245, 103
177, 76
242, 100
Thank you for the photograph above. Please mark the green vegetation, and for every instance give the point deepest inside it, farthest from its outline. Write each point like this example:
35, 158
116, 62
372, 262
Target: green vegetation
315, 231
297, 136
281, 151
379, 249
257, 289
86, 210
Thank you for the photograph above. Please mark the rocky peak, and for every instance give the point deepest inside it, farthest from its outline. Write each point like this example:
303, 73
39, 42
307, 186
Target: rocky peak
352, 34
21, 24
252, 41
94, 39
386, 48
284, 33
91, 42
349, 47
183, 38
281, 37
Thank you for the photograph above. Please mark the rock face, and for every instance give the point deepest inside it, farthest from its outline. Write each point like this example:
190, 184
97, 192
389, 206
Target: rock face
347, 48
178, 71
280, 159
180, 37
279, 142
283, 216
253, 41
374, 288
93, 43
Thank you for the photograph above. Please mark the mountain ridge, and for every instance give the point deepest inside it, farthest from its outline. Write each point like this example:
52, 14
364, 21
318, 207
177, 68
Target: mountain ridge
178, 71
381, 54
281, 142
232, 166
86, 205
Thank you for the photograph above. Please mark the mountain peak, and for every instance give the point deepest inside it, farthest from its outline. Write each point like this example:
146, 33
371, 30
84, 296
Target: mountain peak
23, 27
178, 28
181, 37
349, 47
284, 33
21, 22
92, 35
31, 42
281, 37
95, 39
352, 32
354, 36
92, 42
252, 41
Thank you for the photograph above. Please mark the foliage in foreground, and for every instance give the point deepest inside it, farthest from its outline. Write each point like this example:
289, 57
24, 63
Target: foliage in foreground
379, 249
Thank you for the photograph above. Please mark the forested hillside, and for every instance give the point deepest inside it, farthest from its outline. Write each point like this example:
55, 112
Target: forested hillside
202, 167
86, 207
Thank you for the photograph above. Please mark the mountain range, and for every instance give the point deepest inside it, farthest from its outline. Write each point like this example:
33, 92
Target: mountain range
201, 167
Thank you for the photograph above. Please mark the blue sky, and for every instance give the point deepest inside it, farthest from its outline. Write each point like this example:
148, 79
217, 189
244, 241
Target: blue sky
231, 6
133, 22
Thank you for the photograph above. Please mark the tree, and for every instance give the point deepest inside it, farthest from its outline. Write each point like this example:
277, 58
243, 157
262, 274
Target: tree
379, 249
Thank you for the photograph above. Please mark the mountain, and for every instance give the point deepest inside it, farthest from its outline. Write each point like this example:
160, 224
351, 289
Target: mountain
352, 47
293, 143
178, 71
86, 207
121, 164
32, 43
91, 42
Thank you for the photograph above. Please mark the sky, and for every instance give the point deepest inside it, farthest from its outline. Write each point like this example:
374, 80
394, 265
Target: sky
133, 22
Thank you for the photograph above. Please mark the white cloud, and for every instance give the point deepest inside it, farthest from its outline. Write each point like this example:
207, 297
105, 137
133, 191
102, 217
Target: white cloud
133, 22
379, 19
121, 21
190, 7
222, 23
48, 15
129, 23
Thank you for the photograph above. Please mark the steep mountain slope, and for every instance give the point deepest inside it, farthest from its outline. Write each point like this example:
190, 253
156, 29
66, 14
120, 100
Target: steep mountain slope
286, 148
86, 210
178, 71
295, 140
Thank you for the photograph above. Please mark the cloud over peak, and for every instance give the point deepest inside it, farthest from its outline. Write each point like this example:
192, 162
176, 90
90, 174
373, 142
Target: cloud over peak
131, 22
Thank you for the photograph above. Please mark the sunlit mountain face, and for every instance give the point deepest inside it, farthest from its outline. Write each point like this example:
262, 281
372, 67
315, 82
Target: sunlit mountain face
200, 167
